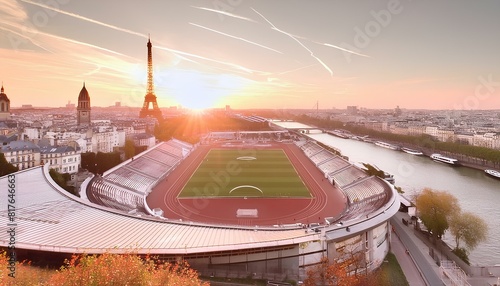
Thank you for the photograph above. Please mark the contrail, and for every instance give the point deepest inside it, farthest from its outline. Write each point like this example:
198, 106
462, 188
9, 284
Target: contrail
176, 52
326, 44
83, 44
247, 70
96, 70
85, 18
297, 69
238, 38
345, 50
295, 39
225, 13
23, 36
61, 38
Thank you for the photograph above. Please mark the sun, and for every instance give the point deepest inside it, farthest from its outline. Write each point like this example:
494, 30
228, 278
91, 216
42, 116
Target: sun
197, 90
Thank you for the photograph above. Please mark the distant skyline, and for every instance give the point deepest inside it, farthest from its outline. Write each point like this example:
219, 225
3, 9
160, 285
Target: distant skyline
254, 54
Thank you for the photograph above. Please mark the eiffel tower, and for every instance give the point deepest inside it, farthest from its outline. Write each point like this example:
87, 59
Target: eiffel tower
150, 97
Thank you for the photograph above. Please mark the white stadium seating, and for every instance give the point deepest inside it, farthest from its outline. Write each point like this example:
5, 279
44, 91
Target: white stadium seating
125, 187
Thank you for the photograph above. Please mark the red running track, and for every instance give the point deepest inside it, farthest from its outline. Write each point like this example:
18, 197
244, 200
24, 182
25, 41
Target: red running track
327, 200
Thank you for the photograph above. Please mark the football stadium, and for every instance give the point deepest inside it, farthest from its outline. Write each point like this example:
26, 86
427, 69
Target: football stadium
237, 204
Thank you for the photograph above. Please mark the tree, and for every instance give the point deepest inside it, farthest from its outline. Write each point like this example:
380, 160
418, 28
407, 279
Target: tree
129, 149
346, 269
124, 269
435, 208
105, 269
88, 161
372, 171
61, 180
6, 167
100, 162
106, 161
58, 178
468, 227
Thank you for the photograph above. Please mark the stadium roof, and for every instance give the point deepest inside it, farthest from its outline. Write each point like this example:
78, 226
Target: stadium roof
49, 219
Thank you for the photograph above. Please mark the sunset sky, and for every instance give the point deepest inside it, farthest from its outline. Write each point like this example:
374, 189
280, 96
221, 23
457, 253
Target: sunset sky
254, 54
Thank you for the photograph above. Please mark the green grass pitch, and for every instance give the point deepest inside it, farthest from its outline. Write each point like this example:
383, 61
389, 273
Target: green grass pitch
245, 173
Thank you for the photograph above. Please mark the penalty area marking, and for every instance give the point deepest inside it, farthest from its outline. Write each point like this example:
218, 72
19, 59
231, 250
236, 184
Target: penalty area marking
246, 158
246, 186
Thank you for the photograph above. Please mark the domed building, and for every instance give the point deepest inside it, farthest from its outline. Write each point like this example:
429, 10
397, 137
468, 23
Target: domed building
83, 109
4, 105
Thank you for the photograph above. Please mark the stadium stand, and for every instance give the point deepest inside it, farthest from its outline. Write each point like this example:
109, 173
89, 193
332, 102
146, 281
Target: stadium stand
365, 189
321, 157
125, 187
347, 175
163, 157
311, 149
364, 193
172, 150
112, 196
130, 179
149, 166
364, 197
300, 143
336, 163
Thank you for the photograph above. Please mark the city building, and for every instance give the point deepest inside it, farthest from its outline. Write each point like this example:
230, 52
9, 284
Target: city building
70, 105
21, 154
4, 105
103, 141
63, 159
144, 140
352, 110
83, 109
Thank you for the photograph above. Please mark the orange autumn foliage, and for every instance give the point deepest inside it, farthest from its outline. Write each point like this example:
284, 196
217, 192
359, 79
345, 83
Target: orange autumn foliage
111, 269
337, 274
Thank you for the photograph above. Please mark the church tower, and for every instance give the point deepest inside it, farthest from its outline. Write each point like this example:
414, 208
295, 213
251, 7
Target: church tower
150, 97
83, 109
4, 105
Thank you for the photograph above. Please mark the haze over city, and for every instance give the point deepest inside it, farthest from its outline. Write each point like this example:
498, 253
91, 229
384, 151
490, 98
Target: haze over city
254, 54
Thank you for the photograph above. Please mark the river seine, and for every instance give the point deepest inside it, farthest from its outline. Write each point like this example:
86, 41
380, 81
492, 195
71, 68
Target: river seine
476, 192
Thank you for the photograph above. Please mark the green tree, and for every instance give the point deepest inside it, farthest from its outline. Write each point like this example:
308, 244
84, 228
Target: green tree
6, 167
62, 181
129, 149
106, 161
88, 162
469, 228
435, 208
100, 162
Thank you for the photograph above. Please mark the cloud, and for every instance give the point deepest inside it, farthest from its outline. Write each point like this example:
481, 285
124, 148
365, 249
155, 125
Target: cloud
11, 10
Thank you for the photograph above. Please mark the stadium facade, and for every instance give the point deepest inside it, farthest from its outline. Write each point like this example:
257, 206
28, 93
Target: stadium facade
112, 216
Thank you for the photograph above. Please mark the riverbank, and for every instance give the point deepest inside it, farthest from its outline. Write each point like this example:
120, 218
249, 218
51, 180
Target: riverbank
477, 192
464, 160
423, 142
